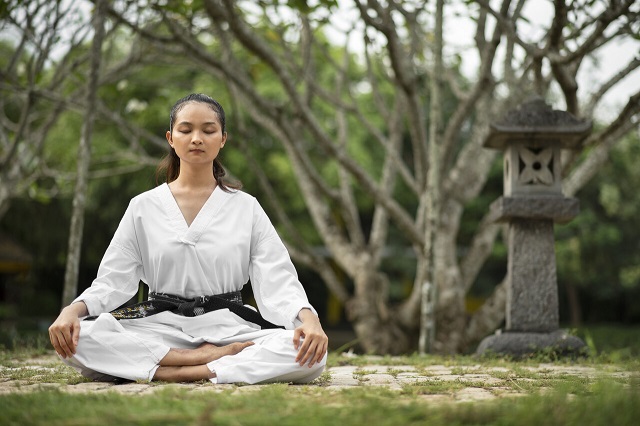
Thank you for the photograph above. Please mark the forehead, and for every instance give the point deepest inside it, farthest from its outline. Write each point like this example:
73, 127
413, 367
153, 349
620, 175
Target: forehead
195, 112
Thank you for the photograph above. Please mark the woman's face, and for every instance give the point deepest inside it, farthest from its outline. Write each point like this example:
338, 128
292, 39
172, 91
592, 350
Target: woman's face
197, 135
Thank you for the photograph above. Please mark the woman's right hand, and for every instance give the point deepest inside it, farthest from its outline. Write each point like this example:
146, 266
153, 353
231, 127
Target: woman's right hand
65, 330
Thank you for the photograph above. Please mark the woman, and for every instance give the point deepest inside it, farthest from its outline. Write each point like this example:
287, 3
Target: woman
190, 237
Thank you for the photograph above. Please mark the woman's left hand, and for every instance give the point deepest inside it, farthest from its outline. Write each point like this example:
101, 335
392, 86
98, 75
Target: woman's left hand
314, 345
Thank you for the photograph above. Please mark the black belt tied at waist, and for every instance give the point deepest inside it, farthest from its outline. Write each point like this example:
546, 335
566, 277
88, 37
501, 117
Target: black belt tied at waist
160, 302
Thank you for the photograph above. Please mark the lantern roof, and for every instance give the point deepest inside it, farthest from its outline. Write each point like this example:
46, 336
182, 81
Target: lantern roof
537, 125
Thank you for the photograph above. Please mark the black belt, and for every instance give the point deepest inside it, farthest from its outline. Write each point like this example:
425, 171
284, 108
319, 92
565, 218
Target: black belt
160, 302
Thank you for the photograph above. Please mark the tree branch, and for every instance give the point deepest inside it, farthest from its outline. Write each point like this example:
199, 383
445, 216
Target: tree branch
605, 140
604, 88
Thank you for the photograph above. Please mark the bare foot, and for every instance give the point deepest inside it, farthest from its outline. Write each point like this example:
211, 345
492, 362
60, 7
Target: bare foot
201, 355
211, 352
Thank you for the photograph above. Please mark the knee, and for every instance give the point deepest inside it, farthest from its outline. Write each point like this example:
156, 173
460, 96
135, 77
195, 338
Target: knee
81, 368
308, 374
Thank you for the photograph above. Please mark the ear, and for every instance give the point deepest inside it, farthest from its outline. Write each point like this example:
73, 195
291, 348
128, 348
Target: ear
224, 139
168, 136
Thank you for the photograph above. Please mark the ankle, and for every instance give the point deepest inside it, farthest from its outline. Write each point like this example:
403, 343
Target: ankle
187, 373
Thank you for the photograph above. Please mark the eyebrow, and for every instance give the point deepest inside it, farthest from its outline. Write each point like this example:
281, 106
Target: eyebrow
205, 123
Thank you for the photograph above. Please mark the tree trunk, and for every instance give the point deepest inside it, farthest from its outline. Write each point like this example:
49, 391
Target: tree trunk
375, 324
84, 159
426, 341
450, 309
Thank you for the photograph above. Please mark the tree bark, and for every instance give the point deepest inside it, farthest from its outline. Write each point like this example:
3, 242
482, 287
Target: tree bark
84, 160
427, 335
374, 321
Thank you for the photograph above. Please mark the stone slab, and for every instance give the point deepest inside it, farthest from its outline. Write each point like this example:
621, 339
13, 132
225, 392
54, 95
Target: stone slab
409, 375
473, 394
131, 388
437, 369
89, 387
343, 369
558, 209
375, 368
217, 388
343, 380
378, 379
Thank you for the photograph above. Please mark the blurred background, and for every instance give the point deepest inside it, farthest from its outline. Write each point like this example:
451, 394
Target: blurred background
357, 125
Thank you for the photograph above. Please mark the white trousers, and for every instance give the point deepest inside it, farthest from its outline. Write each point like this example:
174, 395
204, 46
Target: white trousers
132, 349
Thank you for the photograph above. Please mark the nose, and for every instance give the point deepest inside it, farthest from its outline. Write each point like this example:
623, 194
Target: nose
197, 138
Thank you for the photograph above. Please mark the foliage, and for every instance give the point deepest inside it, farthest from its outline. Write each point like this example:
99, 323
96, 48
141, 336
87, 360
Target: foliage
598, 251
313, 124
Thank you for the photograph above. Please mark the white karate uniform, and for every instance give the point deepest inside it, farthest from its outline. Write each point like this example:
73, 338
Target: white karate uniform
230, 241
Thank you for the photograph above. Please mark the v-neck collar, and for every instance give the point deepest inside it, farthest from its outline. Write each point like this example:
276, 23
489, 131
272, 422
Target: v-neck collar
190, 234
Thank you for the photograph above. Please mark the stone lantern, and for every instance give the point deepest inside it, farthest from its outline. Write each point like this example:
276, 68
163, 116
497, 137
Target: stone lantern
532, 138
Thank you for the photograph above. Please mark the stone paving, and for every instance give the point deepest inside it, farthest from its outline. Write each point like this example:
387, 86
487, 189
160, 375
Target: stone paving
438, 383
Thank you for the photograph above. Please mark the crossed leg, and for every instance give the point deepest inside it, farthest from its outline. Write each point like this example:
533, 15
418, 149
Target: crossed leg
188, 365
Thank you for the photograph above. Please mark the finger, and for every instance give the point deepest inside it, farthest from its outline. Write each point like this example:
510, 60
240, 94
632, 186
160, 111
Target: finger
317, 354
309, 354
67, 351
54, 342
297, 334
61, 346
321, 353
312, 360
76, 335
321, 350
303, 349
71, 347
66, 342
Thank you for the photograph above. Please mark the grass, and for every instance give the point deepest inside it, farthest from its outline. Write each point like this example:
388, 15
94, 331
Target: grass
600, 403
47, 373
547, 396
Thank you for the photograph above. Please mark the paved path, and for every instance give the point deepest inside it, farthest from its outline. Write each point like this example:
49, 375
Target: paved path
434, 382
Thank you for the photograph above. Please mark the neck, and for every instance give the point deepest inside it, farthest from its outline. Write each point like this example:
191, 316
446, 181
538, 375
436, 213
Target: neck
200, 176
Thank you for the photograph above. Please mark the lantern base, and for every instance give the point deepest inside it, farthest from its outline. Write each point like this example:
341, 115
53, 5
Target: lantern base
522, 344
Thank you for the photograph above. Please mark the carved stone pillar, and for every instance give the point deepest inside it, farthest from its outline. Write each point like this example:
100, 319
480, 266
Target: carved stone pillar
532, 137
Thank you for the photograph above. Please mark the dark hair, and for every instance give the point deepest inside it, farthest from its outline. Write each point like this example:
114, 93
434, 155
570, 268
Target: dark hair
170, 164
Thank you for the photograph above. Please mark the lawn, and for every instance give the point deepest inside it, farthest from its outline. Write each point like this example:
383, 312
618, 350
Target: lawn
529, 395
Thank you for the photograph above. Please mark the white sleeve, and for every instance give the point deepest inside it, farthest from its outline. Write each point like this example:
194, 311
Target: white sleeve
276, 288
119, 273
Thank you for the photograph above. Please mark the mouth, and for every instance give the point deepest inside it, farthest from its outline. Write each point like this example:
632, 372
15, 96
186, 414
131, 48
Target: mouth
196, 150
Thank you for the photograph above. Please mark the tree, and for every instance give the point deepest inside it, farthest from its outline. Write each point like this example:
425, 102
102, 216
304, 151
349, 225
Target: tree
42, 85
597, 252
44, 88
392, 94
84, 158
31, 101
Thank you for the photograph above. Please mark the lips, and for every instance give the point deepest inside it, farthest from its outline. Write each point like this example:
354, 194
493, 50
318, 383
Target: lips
196, 150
